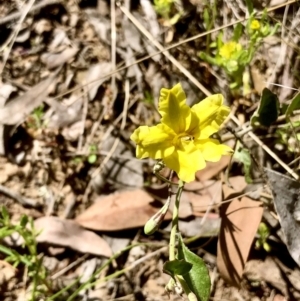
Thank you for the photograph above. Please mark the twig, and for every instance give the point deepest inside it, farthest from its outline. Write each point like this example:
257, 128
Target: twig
113, 49
16, 196
6, 48
83, 119
267, 150
283, 48
148, 35
38, 6
69, 267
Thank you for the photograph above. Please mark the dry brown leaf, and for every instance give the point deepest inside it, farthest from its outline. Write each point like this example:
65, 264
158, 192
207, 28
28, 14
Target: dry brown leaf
212, 169
17, 109
53, 60
68, 233
203, 194
95, 77
119, 211
238, 185
240, 220
7, 272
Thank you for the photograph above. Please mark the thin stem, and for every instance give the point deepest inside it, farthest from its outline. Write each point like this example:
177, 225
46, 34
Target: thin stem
174, 229
164, 179
191, 296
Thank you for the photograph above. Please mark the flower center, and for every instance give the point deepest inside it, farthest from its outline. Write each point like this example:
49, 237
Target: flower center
182, 138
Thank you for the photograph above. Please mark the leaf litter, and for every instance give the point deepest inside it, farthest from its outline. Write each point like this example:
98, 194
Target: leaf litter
62, 47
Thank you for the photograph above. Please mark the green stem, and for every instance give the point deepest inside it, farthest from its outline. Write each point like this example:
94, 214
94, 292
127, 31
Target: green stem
191, 296
164, 179
174, 229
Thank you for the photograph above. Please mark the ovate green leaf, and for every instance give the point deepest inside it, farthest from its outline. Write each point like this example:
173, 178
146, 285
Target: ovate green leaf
197, 278
267, 112
177, 267
294, 105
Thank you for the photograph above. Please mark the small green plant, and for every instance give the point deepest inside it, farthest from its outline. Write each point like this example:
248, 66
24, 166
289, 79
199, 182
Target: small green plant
92, 157
35, 120
165, 9
263, 233
148, 98
36, 272
209, 17
233, 56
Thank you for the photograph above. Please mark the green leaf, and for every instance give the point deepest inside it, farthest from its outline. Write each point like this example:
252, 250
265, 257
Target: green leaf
237, 33
5, 215
206, 18
177, 267
92, 158
249, 4
294, 105
24, 221
242, 155
267, 112
197, 278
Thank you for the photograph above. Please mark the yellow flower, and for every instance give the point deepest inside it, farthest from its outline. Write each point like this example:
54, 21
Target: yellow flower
182, 138
228, 49
255, 25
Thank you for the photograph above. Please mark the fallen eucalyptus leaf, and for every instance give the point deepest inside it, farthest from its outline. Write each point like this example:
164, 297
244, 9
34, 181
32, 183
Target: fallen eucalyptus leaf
240, 221
119, 211
67, 233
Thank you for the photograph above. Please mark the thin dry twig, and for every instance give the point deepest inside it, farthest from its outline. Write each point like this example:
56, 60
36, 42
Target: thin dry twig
16, 196
148, 35
7, 47
113, 47
38, 6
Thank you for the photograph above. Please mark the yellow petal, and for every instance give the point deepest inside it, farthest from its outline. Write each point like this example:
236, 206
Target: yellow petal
211, 113
173, 109
212, 150
186, 162
154, 142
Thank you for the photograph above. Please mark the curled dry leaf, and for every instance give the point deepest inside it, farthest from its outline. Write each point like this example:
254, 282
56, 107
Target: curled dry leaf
212, 169
119, 211
203, 194
96, 76
287, 204
53, 60
68, 233
240, 220
17, 109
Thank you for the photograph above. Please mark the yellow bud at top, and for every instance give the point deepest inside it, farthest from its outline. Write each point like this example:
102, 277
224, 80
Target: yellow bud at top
255, 25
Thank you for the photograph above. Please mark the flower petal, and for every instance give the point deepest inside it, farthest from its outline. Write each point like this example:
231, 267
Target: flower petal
212, 150
154, 142
173, 109
212, 113
186, 162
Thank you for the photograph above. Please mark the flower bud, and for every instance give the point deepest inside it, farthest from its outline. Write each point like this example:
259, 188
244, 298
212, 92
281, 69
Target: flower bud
155, 221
